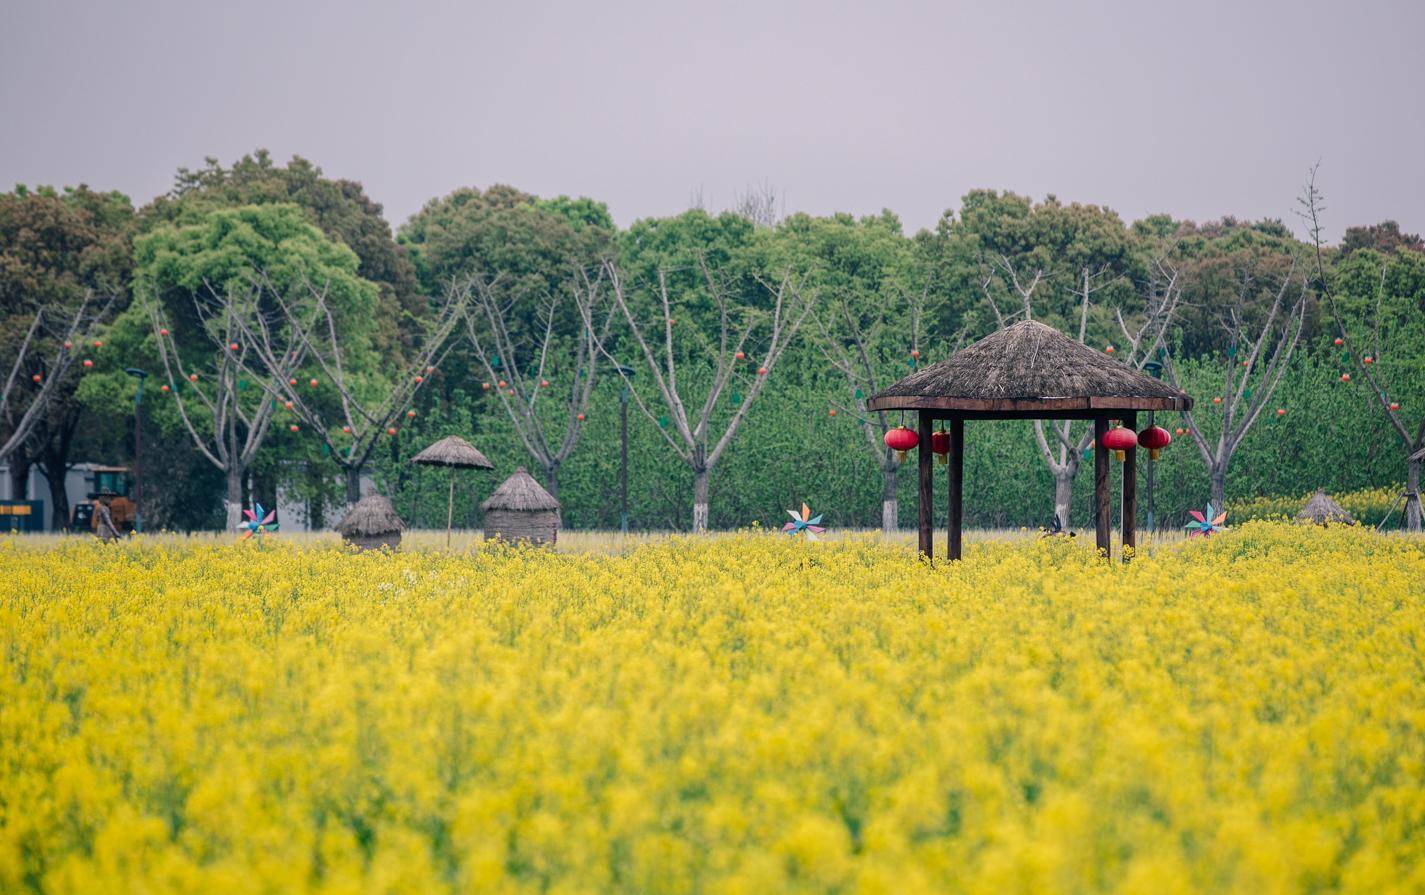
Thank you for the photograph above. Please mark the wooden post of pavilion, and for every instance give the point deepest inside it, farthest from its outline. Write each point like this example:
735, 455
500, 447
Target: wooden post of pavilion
926, 493
1129, 511
1103, 511
956, 516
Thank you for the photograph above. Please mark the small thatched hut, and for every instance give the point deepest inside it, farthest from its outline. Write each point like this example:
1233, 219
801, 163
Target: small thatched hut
371, 524
1322, 510
521, 510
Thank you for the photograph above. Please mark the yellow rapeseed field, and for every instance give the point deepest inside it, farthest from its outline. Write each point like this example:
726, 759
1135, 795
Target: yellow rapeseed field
731, 715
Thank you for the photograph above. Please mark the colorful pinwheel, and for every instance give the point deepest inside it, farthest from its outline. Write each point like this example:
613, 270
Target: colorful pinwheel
257, 523
804, 523
1205, 523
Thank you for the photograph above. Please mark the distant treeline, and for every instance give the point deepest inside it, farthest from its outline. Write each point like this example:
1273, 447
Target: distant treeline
292, 341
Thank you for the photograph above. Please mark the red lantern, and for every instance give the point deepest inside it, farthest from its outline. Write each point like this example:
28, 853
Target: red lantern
1154, 438
915, 353
37, 379
1394, 406
485, 386
1281, 411
391, 431
1120, 441
98, 344
410, 414
761, 371
1337, 342
192, 377
900, 439
68, 345
544, 383
1368, 359
346, 429
232, 346
420, 379
1345, 377
163, 388
1109, 349
831, 412
161, 332
312, 383
579, 417
430, 370
940, 445
292, 381
293, 427
287, 404
88, 363
740, 356
1217, 399
1179, 430
503, 384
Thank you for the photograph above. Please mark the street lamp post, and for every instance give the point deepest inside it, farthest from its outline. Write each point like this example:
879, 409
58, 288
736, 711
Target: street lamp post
140, 375
626, 373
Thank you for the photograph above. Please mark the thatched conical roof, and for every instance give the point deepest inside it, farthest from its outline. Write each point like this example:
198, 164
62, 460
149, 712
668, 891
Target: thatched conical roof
453, 450
1029, 367
1321, 509
520, 492
371, 516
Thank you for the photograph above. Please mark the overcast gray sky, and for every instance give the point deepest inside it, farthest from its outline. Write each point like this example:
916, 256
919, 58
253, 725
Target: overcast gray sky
1198, 109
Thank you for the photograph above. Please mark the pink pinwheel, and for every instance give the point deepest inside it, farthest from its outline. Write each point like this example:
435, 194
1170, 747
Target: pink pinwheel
803, 522
257, 523
1203, 526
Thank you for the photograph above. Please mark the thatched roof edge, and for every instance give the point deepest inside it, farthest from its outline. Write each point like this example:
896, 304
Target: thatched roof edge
520, 492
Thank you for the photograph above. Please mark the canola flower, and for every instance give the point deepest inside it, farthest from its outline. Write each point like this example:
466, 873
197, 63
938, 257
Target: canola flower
739, 715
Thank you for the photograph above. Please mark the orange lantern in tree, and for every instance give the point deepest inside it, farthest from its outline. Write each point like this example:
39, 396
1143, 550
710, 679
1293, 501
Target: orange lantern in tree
485, 386
192, 377
391, 431
292, 381
98, 344
1368, 360
1394, 406
740, 355
1108, 350
900, 439
36, 379
831, 412
68, 345
504, 384
420, 379
232, 346
1337, 342
163, 388
1345, 377
1179, 430
312, 383
346, 429
410, 414
161, 332
293, 427
940, 445
1281, 411
544, 383
915, 353
88, 363
579, 417
287, 404
1154, 438
1120, 441
1217, 399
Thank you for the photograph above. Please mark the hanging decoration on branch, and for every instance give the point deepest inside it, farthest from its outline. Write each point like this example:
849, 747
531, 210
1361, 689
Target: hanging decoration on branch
804, 523
1205, 523
258, 523
901, 440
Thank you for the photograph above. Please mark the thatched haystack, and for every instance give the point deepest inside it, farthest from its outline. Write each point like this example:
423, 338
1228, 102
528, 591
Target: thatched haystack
1322, 510
1032, 363
371, 524
521, 510
453, 451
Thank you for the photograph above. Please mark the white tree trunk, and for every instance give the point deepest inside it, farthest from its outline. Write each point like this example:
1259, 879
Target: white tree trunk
700, 501
1412, 502
890, 502
1064, 493
232, 504
1218, 492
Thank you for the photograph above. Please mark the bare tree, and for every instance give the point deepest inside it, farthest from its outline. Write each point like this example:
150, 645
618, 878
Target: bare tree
854, 341
1248, 385
523, 364
740, 328
367, 407
1064, 453
32, 380
225, 421
759, 204
1368, 346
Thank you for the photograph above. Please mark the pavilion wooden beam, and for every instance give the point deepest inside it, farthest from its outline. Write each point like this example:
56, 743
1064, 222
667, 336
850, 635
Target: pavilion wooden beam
956, 517
1130, 490
926, 492
1103, 512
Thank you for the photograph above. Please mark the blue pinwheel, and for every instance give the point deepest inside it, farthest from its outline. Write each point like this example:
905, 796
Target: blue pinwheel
1205, 523
257, 522
803, 523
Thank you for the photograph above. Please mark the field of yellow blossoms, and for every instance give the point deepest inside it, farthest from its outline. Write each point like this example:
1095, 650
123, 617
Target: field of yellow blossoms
743, 714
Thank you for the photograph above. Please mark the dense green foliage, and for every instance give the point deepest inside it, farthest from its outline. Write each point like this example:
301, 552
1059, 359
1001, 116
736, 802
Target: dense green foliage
888, 300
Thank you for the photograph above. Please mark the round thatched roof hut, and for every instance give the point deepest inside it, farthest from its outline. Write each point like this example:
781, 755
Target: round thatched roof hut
521, 510
1322, 510
1027, 371
371, 524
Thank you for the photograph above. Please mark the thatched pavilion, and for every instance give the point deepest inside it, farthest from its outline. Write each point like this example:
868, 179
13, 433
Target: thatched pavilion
521, 510
371, 523
1322, 510
1027, 371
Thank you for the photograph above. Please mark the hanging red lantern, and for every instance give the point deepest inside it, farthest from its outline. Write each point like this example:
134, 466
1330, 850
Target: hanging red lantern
293, 427
1108, 350
292, 381
1281, 411
1338, 342
287, 404
430, 370
98, 344
915, 353
410, 414
740, 355
1120, 441
1217, 399
391, 431
761, 371
504, 384
37, 379
485, 386
68, 345
420, 379
1394, 406
940, 445
1368, 360
163, 388
1345, 377
161, 332
192, 377
900, 439
346, 429
232, 346
88, 363
579, 417
544, 383
1179, 430
1154, 438
312, 383
831, 412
